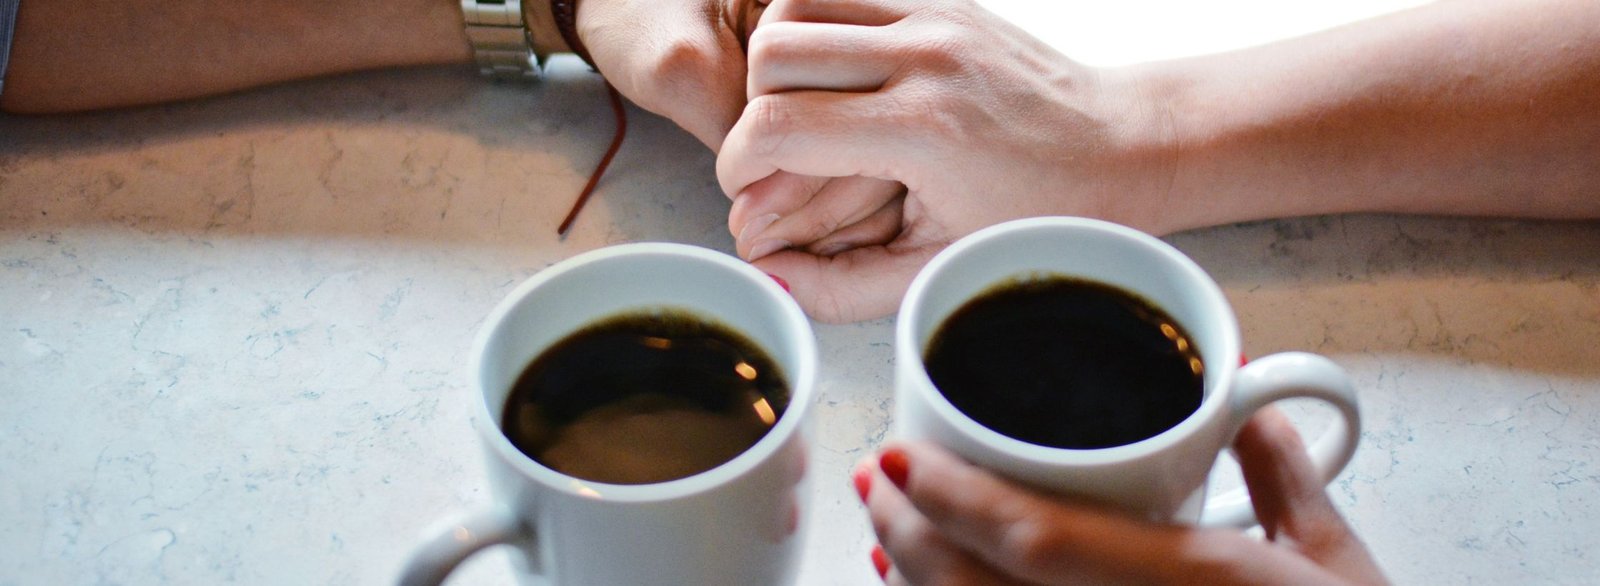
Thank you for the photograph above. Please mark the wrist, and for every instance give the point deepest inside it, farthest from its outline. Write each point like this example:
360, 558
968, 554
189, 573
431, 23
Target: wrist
1204, 135
1143, 160
541, 22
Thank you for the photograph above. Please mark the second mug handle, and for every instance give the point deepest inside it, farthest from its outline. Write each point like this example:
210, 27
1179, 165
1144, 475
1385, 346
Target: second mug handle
442, 552
1283, 376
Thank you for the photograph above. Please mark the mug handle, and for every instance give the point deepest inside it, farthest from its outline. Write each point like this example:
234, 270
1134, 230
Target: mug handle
454, 543
1283, 376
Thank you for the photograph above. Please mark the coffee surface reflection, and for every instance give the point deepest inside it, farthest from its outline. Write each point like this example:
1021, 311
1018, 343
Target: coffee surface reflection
643, 398
1066, 363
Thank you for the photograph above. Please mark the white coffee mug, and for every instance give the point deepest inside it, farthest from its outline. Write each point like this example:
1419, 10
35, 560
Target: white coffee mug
1163, 477
738, 523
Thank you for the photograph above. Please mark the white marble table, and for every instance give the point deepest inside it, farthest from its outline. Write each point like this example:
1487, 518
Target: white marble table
233, 332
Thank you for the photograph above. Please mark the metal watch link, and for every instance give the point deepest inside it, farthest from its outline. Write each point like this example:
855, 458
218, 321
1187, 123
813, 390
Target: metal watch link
501, 42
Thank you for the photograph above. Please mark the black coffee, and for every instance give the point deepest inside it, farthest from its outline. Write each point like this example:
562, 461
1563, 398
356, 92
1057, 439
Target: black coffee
1066, 363
644, 397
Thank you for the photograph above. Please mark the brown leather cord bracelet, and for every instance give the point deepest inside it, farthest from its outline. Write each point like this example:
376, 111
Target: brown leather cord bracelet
566, 17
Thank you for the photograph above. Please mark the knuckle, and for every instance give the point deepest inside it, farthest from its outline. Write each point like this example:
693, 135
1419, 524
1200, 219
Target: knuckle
774, 44
918, 535
789, 8
678, 67
941, 50
770, 124
960, 14
947, 57
685, 55
903, 532
882, 525
1029, 542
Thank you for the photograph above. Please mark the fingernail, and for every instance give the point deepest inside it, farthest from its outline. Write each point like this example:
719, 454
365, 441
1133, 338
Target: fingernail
755, 227
862, 477
880, 561
766, 247
895, 466
781, 282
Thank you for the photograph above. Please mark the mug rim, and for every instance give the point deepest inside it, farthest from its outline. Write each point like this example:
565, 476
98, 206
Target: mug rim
909, 350
802, 382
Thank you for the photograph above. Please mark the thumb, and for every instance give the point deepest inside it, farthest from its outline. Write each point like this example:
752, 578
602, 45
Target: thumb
1290, 499
860, 284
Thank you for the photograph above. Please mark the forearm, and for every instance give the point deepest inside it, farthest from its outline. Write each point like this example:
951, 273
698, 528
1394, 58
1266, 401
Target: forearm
1471, 108
89, 54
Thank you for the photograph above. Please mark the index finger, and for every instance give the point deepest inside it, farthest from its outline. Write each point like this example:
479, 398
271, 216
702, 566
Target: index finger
869, 13
1290, 500
1051, 541
818, 133
1020, 531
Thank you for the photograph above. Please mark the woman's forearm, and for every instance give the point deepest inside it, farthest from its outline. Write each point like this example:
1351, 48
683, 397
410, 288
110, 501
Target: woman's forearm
1461, 107
87, 54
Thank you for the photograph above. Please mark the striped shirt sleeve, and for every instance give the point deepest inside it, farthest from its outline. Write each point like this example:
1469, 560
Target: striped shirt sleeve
8, 22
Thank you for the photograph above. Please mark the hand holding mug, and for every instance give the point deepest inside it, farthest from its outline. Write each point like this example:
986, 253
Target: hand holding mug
686, 61
1087, 361
1093, 360
941, 518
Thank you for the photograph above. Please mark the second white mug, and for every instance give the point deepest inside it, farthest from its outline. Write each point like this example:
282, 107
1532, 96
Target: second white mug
1160, 478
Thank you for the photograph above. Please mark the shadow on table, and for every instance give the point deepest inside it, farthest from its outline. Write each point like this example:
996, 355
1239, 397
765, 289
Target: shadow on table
1520, 294
431, 154
437, 156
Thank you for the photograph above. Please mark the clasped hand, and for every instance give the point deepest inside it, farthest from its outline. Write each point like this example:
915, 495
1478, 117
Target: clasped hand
965, 118
859, 138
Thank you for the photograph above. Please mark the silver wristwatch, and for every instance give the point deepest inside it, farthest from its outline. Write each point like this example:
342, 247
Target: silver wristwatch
500, 39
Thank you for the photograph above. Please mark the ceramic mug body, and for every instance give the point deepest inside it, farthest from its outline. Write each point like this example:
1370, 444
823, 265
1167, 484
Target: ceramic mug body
1162, 477
738, 523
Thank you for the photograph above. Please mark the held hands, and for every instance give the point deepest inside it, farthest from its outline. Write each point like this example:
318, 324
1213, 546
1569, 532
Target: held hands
895, 101
979, 121
943, 521
686, 61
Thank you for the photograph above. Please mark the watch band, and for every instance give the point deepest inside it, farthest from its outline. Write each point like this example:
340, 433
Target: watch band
501, 42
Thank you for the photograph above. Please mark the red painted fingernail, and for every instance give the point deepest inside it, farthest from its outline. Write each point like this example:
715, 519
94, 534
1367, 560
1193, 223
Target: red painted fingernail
880, 561
895, 466
781, 282
1243, 360
863, 481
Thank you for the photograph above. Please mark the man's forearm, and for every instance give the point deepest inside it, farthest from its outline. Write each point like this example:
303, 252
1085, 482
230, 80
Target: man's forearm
1470, 108
88, 54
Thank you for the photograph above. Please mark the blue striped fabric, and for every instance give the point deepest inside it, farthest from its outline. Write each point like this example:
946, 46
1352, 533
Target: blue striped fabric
8, 21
